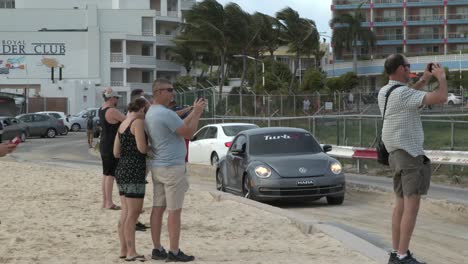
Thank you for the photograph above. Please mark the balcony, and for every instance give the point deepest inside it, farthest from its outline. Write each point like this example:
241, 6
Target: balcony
418, 3
117, 83
116, 58
147, 32
425, 38
172, 14
388, 3
456, 2
165, 40
349, 4
386, 21
457, 37
457, 18
167, 65
419, 20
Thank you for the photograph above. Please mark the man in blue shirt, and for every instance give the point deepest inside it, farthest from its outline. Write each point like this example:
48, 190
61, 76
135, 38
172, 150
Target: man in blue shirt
166, 132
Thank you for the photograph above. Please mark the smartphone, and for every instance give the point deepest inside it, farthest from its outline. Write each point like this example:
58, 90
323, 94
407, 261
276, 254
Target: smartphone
16, 140
430, 66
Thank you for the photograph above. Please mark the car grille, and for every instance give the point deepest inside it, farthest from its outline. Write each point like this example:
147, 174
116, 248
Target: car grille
302, 191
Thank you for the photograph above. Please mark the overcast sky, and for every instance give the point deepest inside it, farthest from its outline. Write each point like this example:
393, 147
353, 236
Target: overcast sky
317, 10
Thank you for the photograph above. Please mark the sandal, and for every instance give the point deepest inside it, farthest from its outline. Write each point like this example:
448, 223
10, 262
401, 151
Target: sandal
114, 207
140, 258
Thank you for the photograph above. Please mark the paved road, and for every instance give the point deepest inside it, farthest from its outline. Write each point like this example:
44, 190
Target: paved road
441, 235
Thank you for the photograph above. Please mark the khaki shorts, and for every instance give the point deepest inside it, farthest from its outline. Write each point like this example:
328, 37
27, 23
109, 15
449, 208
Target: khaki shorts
169, 186
412, 175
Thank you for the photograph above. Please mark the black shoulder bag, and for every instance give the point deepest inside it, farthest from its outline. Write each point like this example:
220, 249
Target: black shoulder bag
382, 153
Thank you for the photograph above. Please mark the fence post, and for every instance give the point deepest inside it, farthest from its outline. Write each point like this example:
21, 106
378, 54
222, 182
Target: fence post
281, 104
240, 99
345, 138
313, 127
337, 131
227, 97
360, 131
255, 104
452, 137
294, 105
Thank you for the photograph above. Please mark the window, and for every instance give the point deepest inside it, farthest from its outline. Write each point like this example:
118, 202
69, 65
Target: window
26, 118
283, 143
200, 135
211, 133
7, 3
239, 143
40, 118
231, 131
55, 115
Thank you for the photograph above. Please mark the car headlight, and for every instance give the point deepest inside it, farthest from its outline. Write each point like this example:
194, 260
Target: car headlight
336, 168
262, 171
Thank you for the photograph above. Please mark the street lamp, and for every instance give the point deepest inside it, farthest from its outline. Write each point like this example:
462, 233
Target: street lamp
252, 58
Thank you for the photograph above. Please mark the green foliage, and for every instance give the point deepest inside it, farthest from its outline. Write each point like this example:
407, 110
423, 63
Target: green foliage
334, 84
455, 82
277, 76
349, 81
314, 80
184, 82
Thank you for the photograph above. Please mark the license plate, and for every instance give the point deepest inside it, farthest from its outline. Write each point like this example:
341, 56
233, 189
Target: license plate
305, 183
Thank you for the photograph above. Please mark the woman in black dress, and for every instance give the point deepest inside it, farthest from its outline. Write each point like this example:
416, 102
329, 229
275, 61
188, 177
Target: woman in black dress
131, 146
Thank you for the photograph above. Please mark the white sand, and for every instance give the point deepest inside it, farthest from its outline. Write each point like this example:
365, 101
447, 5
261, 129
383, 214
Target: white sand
53, 215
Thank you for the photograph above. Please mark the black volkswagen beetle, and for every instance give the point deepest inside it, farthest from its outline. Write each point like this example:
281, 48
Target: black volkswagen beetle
267, 164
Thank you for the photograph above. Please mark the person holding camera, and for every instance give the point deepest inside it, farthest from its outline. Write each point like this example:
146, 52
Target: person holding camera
166, 131
403, 136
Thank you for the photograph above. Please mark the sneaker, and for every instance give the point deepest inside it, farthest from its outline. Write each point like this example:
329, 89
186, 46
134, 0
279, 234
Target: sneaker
140, 227
393, 258
409, 259
159, 254
180, 257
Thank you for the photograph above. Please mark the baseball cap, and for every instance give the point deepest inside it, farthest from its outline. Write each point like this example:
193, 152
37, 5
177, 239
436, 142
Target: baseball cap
109, 93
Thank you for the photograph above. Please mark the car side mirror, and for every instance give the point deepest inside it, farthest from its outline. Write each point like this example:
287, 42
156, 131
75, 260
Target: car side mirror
327, 148
85, 116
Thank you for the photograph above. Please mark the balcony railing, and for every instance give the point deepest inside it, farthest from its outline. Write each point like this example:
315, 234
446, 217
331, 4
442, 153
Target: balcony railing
388, 18
117, 83
388, 1
390, 37
437, 36
116, 57
457, 35
165, 40
147, 32
458, 16
141, 60
186, 4
426, 17
172, 14
425, 1
166, 65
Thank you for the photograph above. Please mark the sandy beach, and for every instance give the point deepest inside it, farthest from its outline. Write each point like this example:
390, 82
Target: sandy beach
52, 215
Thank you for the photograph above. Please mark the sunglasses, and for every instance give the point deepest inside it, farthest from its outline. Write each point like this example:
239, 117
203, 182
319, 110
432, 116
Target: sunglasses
407, 65
167, 89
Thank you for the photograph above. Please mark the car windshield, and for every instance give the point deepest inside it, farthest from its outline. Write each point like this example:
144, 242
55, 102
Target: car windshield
231, 131
81, 113
283, 143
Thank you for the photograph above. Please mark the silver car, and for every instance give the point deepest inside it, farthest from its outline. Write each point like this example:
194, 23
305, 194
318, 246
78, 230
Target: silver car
78, 121
42, 125
12, 127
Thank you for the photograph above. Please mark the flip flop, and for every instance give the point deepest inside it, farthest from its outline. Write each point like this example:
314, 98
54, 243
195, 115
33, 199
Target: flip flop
114, 207
122, 257
140, 258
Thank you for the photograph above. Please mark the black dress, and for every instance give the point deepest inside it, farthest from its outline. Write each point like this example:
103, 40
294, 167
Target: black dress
131, 170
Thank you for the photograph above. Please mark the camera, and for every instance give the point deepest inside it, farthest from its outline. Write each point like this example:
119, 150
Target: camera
430, 66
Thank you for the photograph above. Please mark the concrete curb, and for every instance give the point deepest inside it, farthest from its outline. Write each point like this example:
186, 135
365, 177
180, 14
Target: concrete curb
310, 226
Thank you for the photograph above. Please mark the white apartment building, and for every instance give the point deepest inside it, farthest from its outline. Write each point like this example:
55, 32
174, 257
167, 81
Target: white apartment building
75, 48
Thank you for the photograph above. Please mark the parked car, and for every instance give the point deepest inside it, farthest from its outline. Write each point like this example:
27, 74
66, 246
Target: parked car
453, 99
42, 125
78, 121
280, 163
12, 127
60, 116
211, 142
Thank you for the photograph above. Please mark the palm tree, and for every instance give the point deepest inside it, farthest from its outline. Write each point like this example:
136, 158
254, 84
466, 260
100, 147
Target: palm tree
206, 24
348, 31
301, 35
184, 54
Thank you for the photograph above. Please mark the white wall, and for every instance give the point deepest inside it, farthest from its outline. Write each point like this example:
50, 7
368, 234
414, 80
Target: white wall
32, 20
62, 4
126, 21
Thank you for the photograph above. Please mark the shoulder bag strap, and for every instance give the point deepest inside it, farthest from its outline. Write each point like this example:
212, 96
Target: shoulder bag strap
386, 97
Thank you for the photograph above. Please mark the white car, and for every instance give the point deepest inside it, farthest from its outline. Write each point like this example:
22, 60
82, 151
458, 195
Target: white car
211, 142
453, 99
59, 116
78, 121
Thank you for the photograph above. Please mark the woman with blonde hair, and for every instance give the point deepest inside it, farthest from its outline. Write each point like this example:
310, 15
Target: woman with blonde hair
131, 146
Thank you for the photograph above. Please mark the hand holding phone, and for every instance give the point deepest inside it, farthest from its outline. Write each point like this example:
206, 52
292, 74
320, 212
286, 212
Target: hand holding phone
16, 140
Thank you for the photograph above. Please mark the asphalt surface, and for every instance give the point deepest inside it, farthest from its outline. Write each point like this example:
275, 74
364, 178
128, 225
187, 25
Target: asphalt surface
441, 234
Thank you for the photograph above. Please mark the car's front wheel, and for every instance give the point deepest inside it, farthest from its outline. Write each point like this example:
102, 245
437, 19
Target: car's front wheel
75, 127
247, 188
51, 133
219, 181
65, 132
335, 200
450, 102
214, 159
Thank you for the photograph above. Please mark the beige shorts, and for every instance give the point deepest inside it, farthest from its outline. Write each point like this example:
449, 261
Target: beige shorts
412, 175
169, 186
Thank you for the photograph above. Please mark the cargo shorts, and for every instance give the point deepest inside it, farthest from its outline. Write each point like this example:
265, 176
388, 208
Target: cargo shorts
412, 175
169, 186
